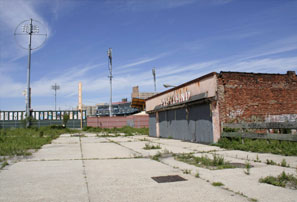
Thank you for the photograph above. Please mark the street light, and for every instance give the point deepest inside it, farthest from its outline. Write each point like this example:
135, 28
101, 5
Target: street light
168, 86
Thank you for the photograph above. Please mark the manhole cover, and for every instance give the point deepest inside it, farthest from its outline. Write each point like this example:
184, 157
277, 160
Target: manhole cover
168, 178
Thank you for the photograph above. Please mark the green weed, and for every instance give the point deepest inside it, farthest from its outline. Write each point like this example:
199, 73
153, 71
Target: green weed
149, 146
284, 163
186, 171
217, 184
270, 162
286, 148
217, 162
127, 130
19, 141
281, 180
248, 168
156, 156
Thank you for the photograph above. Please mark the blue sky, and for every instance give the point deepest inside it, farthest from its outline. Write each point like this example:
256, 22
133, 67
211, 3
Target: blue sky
182, 39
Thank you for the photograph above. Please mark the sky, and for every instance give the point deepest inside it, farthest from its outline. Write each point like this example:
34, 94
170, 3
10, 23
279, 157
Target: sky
181, 39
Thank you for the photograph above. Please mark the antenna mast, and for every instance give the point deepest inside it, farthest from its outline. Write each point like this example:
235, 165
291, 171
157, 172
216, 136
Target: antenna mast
55, 88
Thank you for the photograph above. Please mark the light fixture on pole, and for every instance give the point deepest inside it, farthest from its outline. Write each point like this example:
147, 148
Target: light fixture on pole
23, 30
109, 54
55, 88
168, 86
154, 75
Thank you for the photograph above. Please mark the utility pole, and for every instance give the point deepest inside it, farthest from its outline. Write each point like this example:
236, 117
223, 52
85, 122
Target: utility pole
109, 54
28, 104
154, 75
55, 88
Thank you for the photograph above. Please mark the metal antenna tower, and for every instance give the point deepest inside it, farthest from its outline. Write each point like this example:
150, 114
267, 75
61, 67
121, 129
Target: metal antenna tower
154, 75
32, 28
109, 54
55, 88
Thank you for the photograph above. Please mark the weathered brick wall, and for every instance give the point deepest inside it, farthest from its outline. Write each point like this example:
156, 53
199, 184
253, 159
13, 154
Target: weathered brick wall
249, 97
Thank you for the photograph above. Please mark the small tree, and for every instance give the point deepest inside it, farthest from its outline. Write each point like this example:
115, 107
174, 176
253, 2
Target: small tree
65, 119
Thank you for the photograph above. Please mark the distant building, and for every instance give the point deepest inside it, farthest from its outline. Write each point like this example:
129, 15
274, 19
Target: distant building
91, 110
141, 95
138, 98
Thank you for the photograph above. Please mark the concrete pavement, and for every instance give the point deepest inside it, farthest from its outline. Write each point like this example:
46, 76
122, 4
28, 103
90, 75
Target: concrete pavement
91, 168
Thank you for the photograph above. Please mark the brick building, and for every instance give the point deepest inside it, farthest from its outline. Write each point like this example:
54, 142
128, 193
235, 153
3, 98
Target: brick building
195, 111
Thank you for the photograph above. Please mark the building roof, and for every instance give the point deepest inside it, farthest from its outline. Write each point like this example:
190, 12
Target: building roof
184, 84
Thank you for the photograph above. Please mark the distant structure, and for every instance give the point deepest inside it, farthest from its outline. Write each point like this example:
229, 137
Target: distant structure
141, 95
55, 88
122, 108
138, 98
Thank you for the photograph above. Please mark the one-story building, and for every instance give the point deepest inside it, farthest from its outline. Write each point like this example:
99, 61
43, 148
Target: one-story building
195, 111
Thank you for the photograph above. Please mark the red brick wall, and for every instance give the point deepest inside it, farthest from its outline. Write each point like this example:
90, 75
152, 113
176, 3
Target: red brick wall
252, 97
140, 121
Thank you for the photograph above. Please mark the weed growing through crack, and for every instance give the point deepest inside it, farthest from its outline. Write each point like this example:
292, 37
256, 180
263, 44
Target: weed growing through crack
5, 163
282, 180
197, 175
157, 156
217, 162
257, 159
149, 146
287, 148
217, 184
247, 167
284, 163
270, 162
186, 171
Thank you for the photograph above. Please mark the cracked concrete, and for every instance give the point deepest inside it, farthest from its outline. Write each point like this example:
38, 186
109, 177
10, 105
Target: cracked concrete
92, 168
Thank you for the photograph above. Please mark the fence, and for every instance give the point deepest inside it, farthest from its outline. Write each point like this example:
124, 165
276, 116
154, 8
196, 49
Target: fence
136, 121
15, 119
241, 130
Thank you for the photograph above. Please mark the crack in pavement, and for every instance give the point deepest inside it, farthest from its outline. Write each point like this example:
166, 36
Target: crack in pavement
84, 170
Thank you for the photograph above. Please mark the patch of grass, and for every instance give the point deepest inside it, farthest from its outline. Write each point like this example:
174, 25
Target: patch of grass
149, 146
217, 184
127, 130
286, 148
17, 141
170, 137
282, 180
217, 162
